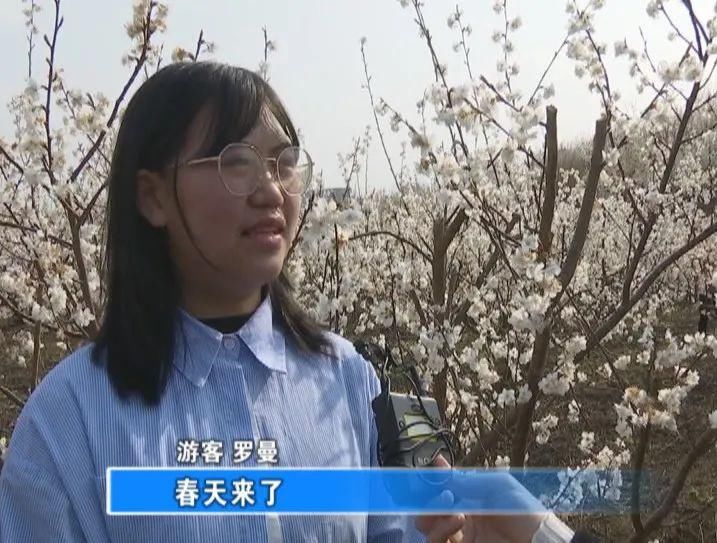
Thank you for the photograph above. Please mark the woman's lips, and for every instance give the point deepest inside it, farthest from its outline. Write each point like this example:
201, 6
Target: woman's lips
268, 238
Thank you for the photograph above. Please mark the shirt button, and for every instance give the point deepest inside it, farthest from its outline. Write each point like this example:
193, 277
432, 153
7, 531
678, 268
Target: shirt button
229, 342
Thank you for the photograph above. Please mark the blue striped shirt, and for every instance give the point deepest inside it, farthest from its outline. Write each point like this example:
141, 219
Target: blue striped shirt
250, 385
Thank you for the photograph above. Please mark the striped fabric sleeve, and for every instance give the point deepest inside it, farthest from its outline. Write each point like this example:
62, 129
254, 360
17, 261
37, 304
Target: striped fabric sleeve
48, 491
34, 502
34, 505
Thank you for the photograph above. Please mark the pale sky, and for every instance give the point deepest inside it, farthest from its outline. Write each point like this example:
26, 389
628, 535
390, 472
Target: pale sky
317, 68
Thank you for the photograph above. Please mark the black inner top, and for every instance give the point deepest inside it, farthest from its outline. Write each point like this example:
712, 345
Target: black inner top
227, 325
232, 323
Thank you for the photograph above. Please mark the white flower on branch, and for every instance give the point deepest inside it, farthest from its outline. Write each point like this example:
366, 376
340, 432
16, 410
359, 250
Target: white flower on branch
668, 72
672, 398
58, 299
263, 69
83, 317
672, 355
33, 177
395, 122
691, 70
611, 157
554, 384
350, 217
653, 7
712, 26
446, 116
484, 374
575, 345
507, 154
381, 107
422, 141
690, 379
580, 22
607, 458
524, 394
543, 427
643, 358
180, 54
587, 440
713, 419
486, 414
469, 400
663, 419
622, 362
573, 412
506, 398
635, 396
502, 461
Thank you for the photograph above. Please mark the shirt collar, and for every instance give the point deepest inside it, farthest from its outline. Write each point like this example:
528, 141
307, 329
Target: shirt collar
261, 334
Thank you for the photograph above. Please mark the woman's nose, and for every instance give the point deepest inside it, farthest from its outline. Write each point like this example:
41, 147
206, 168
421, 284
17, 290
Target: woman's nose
268, 190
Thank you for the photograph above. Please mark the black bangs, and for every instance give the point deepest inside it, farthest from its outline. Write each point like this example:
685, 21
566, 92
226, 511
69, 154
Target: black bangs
235, 100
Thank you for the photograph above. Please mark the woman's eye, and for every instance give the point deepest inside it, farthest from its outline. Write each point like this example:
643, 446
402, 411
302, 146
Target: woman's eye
236, 165
234, 162
287, 163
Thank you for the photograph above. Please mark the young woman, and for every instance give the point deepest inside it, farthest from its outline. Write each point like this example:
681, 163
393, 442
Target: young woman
200, 339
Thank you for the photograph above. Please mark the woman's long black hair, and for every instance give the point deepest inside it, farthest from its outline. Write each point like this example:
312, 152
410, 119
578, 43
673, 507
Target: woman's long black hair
137, 334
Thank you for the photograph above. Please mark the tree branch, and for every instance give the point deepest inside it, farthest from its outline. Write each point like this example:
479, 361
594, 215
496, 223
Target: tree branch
586, 208
703, 445
408, 242
11, 160
545, 235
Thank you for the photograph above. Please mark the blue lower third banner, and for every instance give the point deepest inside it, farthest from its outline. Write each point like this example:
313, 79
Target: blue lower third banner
168, 491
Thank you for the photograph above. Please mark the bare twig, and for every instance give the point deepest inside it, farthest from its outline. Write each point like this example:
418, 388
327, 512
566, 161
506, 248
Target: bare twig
11, 160
52, 45
10, 394
36, 343
398, 237
115, 110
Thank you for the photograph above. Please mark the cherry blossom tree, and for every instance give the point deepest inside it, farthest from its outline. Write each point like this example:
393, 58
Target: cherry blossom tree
514, 285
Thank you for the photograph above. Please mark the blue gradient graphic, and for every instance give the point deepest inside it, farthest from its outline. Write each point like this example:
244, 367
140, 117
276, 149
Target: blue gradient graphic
376, 491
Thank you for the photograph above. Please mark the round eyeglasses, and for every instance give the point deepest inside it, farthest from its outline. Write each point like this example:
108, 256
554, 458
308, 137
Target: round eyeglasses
241, 167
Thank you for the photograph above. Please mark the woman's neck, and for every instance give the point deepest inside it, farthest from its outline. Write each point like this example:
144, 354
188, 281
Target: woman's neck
206, 307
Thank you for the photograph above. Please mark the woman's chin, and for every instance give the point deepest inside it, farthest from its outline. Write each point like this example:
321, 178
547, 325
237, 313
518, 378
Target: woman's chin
267, 270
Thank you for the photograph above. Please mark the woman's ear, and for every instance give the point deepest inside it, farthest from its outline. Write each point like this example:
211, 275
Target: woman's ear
152, 201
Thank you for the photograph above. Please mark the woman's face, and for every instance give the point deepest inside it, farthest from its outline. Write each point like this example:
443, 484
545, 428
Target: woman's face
245, 237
